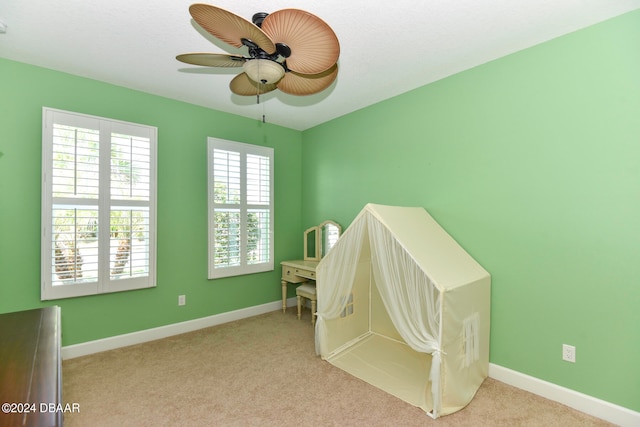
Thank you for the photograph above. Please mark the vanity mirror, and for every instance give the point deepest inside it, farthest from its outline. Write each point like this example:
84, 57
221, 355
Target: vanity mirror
319, 239
329, 233
311, 252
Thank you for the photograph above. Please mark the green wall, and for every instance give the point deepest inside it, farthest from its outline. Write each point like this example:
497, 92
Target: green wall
532, 162
182, 203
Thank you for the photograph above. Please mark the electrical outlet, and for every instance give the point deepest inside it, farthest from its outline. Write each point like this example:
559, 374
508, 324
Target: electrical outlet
569, 353
182, 299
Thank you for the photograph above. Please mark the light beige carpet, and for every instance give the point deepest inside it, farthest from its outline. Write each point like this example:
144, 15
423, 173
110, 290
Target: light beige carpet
263, 371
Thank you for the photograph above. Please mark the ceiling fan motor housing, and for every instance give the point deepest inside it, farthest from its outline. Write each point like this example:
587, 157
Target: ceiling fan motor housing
258, 18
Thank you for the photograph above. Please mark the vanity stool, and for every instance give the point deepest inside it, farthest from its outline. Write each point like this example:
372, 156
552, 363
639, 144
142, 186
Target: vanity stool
307, 290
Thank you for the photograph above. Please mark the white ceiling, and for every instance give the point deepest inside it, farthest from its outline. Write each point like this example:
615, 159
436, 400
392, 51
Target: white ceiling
387, 48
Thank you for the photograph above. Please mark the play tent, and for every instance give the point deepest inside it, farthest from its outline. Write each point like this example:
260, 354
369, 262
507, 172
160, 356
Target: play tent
403, 307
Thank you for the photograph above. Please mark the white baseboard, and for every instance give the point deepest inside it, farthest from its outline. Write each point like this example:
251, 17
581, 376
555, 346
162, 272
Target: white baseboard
97, 346
584, 403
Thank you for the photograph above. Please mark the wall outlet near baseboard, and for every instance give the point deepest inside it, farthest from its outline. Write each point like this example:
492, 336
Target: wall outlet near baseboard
569, 353
182, 299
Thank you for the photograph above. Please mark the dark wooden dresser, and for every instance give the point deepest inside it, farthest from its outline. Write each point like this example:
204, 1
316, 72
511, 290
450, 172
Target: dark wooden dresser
31, 368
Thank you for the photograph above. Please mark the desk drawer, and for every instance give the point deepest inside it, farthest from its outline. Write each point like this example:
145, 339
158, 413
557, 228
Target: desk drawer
289, 274
309, 274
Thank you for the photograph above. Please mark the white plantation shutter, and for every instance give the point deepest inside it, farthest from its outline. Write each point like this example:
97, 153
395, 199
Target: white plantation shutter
240, 208
259, 207
98, 205
131, 188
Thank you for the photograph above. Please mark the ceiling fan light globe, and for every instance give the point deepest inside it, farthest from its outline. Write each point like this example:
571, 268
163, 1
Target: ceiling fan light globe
263, 71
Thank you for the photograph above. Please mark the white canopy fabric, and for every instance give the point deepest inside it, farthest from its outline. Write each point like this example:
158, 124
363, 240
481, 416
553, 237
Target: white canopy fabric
401, 304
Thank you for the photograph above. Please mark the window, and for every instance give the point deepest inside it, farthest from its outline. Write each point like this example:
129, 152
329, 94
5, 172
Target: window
348, 309
98, 205
240, 208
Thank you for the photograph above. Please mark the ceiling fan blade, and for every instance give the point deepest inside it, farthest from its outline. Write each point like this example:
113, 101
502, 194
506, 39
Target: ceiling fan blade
314, 46
212, 59
229, 27
243, 85
307, 84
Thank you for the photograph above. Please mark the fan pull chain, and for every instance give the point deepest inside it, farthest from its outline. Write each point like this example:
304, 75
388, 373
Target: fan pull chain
258, 101
260, 87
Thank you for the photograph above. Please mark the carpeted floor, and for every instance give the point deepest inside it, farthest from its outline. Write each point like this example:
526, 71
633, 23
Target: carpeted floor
263, 371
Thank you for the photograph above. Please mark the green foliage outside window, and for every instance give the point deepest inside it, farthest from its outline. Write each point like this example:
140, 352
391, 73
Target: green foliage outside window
229, 227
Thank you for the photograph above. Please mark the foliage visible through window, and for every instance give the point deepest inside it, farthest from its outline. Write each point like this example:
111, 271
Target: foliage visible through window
240, 208
97, 171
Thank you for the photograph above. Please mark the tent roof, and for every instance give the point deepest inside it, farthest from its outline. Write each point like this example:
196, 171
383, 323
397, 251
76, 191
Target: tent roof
443, 260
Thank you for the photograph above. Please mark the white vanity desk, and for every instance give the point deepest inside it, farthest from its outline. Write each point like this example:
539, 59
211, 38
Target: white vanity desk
297, 271
317, 242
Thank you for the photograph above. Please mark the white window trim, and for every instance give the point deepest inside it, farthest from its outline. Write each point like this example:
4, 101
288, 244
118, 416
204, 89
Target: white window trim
104, 284
244, 150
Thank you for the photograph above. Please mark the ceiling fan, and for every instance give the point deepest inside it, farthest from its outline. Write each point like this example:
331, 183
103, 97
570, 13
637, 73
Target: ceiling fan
290, 49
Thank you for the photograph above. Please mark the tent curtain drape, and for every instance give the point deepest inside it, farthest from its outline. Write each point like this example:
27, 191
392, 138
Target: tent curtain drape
411, 300
341, 276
